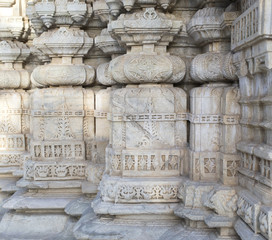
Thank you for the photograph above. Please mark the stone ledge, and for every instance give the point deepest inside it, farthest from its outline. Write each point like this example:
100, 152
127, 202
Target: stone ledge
245, 232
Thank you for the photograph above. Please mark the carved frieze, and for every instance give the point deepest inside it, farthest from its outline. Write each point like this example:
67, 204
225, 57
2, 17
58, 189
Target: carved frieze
116, 190
107, 44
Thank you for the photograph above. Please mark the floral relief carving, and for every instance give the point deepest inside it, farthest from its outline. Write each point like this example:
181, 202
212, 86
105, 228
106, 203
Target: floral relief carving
148, 68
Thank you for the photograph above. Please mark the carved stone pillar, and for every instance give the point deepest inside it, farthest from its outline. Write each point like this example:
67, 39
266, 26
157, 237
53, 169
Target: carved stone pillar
61, 123
14, 108
214, 126
148, 125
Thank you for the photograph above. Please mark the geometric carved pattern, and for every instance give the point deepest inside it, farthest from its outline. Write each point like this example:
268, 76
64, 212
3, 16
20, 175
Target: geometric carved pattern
232, 168
204, 165
133, 192
58, 149
12, 142
11, 159
210, 165
141, 162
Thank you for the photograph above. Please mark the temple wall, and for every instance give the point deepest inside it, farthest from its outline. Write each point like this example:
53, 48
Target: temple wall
131, 119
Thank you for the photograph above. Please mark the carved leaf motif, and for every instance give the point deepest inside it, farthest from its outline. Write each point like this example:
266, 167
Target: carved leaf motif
150, 128
86, 128
64, 131
6, 126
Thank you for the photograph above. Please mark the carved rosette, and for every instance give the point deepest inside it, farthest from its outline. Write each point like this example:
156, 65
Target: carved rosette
67, 47
212, 67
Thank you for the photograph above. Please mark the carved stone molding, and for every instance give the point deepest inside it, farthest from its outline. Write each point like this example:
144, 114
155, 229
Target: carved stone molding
146, 34
104, 76
12, 74
61, 75
67, 47
115, 6
107, 44
46, 14
210, 24
64, 42
101, 10
116, 190
146, 27
14, 27
211, 67
145, 68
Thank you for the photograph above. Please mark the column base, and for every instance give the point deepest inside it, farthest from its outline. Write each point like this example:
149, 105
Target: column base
43, 212
150, 227
151, 221
36, 226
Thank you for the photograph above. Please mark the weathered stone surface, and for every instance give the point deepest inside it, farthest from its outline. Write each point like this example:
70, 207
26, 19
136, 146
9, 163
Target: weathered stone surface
176, 146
